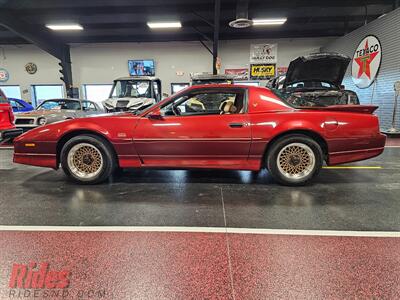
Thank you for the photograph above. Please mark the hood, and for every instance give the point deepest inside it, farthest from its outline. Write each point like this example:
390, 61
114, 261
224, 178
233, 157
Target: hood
133, 103
324, 67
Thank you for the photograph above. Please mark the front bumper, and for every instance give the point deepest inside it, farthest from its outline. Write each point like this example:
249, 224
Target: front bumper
26, 128
10, 134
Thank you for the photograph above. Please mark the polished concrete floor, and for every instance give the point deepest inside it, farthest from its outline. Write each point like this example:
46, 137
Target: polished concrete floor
227, 249
339, 199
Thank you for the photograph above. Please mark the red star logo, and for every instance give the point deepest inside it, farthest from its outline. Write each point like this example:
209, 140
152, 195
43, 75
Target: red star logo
365, 61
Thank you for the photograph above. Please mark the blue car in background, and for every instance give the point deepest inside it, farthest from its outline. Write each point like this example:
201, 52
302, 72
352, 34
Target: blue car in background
19, 105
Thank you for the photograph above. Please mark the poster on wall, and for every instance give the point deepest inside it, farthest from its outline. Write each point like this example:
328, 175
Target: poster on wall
366, 62
264, 53
239, 73
262, 71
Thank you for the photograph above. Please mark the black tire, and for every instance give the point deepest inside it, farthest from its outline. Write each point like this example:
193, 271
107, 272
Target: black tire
109, 161
277, 146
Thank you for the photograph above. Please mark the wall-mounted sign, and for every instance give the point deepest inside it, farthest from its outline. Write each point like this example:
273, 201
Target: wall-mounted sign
180, 73
240, 73
262, 71
366, 62
264, 53
4, 75
31, 68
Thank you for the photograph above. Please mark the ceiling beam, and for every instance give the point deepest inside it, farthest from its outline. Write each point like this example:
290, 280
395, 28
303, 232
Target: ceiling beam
171, 6
44, 39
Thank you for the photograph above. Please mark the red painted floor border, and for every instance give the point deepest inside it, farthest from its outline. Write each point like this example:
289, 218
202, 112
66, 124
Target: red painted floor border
195, 265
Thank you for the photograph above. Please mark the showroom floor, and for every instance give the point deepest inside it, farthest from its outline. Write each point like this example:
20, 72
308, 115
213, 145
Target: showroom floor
231, 245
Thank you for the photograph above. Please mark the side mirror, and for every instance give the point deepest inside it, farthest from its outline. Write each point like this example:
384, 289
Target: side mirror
155, 114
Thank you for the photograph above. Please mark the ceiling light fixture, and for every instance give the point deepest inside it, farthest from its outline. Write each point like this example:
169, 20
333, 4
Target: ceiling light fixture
164, 25
259, 22
64, 26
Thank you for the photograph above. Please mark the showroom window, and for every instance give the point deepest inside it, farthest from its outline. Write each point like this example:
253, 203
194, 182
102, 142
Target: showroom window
44, 92
11, 91
97, 92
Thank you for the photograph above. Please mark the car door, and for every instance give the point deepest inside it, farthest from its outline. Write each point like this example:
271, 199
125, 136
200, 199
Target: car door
197, 129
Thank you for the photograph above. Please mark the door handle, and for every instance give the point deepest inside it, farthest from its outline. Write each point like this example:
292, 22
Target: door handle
236, 125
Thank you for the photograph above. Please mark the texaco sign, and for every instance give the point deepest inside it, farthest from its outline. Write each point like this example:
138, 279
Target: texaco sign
366, 62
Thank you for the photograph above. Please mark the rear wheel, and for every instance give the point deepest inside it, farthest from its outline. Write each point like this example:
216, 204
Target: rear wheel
294, 159
88, 159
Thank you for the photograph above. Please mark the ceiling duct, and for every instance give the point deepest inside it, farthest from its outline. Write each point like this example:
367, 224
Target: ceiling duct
242, 15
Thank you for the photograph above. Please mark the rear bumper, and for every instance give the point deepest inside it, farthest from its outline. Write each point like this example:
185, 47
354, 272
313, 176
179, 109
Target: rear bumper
342, 157
10, 134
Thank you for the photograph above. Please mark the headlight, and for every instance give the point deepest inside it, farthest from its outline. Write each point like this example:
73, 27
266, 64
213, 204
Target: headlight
41, 121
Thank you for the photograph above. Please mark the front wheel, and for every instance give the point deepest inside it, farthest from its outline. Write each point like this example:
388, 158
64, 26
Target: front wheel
294, 159
87, 159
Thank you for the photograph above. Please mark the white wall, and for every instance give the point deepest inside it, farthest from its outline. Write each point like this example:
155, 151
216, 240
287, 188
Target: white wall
101, 63
381, 92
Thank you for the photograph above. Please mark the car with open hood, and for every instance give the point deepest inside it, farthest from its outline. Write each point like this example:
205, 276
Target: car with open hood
55, 110
315, 80
133, 93
215, 126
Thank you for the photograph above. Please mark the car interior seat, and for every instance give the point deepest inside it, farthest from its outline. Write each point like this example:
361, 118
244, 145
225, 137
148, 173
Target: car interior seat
227, 107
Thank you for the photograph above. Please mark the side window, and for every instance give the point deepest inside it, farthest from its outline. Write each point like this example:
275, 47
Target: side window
88, 106
92, 106
206, 103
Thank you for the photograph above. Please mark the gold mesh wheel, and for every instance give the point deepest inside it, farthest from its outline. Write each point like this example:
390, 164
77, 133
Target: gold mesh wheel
296, 161
85, 160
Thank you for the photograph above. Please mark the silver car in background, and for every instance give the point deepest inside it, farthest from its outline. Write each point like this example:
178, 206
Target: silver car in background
55, 110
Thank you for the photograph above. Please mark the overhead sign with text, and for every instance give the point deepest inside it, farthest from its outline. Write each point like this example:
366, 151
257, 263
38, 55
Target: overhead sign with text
262, 71
366, 62
264, 53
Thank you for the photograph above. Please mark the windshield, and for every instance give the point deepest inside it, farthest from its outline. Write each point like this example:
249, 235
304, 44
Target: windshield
131, 89
60, 104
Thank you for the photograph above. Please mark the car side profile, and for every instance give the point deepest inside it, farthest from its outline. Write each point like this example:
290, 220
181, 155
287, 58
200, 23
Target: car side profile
208, 126
55, 110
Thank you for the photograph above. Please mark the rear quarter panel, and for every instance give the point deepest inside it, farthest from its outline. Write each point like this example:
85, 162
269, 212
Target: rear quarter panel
344, 132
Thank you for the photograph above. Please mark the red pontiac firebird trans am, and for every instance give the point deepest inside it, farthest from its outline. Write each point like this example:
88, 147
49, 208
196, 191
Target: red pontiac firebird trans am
208, 126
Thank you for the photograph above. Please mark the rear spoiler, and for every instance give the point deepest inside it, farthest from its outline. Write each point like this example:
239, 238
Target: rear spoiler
364, 109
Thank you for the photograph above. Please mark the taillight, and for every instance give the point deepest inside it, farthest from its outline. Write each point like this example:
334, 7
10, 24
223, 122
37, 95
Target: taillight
11, 115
